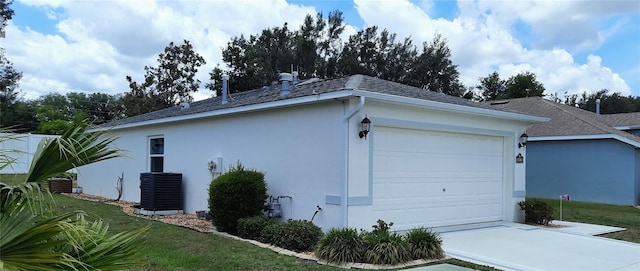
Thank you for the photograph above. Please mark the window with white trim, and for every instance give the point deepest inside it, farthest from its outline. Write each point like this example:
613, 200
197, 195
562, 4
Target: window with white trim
156, 154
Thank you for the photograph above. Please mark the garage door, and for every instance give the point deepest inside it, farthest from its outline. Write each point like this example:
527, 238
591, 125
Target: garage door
432, 179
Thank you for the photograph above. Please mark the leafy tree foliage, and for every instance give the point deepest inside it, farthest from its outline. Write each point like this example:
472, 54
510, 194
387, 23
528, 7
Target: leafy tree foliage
7, 13
9, 78
166, 85
609, 103
433, 69
316, 50
491, 87
520, 85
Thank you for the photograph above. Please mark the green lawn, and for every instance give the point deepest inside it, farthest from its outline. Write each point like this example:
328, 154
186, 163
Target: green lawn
171, 247
602, 214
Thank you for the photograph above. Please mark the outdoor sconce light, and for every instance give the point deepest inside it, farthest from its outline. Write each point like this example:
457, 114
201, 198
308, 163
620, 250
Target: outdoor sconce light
365, 124
523, 140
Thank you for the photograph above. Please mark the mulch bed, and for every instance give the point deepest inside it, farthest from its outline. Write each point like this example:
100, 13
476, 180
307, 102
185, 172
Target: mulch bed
190, 221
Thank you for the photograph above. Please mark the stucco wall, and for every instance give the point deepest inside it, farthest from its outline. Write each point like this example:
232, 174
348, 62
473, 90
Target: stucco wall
360, 216
300, 150
602, 171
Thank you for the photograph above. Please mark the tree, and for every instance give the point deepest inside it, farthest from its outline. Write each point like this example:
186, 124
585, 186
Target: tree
6, 12
433, 69
609, 103
9, 77
166, 85
33, 238
522, 85
491, 87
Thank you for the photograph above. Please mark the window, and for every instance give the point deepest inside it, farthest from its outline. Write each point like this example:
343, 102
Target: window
156, 154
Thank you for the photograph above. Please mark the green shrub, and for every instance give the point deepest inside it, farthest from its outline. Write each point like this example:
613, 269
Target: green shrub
424, 244
251, 227
340, 246
296, 235
239, 193
536, 211
270, 233
383, 247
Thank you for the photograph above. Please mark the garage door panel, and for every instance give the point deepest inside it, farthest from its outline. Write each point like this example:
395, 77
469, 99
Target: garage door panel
432, 178
386, 161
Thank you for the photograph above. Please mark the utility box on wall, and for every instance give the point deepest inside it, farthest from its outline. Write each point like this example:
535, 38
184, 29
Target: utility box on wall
160, 191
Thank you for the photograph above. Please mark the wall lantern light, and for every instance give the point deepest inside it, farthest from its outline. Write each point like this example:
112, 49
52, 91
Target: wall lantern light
523, 140
365, 125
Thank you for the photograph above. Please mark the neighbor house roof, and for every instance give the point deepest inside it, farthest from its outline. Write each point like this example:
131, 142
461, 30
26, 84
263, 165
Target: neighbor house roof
566, 122
631, 120
315, 90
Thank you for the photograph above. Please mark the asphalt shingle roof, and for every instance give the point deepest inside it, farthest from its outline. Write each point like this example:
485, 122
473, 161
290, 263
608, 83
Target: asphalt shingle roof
304, 88
565, 120
623, 119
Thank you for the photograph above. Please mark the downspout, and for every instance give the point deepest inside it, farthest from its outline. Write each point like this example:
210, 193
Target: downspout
345, 198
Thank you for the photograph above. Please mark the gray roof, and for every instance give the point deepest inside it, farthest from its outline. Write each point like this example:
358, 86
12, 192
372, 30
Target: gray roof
565, 120
305, 88
623, 119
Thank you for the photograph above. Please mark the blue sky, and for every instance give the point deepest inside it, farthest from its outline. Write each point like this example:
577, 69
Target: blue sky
572, 46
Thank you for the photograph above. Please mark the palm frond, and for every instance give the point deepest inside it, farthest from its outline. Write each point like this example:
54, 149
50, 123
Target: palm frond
75, 148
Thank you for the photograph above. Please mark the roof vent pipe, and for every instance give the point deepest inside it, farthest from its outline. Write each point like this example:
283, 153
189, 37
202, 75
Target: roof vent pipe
225, 88
597, 106
295, 78
285, 79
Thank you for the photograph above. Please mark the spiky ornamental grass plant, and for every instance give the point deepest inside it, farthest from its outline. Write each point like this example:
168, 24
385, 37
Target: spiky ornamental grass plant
32, 238
341, 246
384, 247
424, 244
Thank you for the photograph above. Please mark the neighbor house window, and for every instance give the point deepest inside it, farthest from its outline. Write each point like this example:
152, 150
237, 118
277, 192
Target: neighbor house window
156, 154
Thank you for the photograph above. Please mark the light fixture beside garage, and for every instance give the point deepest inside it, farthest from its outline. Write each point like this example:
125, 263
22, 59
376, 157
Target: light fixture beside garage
523, 140
365, 125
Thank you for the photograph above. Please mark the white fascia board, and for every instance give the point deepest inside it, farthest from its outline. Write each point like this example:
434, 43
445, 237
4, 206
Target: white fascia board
585, 137
449, 107
235, 110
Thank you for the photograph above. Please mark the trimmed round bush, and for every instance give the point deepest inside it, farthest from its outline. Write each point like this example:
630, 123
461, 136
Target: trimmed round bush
536, 211
341, 246
251, 227
296, 235
424, 244
239, 193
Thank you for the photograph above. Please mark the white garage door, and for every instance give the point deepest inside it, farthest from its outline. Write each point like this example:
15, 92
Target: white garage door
432, 179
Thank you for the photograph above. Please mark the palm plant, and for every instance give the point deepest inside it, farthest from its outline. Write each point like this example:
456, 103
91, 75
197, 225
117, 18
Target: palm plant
32, 238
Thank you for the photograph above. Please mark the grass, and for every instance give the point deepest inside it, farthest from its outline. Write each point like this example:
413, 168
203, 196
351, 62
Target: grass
170, 247
12, 179
601, 214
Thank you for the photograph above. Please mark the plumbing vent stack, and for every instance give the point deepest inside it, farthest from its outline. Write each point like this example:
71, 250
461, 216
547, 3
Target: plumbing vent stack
295, 78
597, 106
285, 79
225, 88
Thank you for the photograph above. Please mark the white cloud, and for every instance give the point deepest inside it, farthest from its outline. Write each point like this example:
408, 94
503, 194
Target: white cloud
482, 40
99, 44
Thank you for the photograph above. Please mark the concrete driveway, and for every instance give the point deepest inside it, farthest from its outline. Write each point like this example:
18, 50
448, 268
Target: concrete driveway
512, 246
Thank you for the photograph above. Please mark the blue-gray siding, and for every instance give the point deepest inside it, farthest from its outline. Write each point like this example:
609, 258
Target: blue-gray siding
605, 171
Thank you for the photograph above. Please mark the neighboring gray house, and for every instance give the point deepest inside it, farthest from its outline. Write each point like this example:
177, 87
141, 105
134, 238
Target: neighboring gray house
594, 158
428, 160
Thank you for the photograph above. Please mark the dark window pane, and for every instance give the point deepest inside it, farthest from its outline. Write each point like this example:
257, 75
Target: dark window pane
157, 164
157, 146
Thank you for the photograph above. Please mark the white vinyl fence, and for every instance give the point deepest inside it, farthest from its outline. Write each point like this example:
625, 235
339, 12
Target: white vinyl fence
20, 149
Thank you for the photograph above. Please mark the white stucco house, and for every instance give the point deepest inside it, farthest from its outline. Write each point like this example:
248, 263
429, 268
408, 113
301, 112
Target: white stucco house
428, 160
